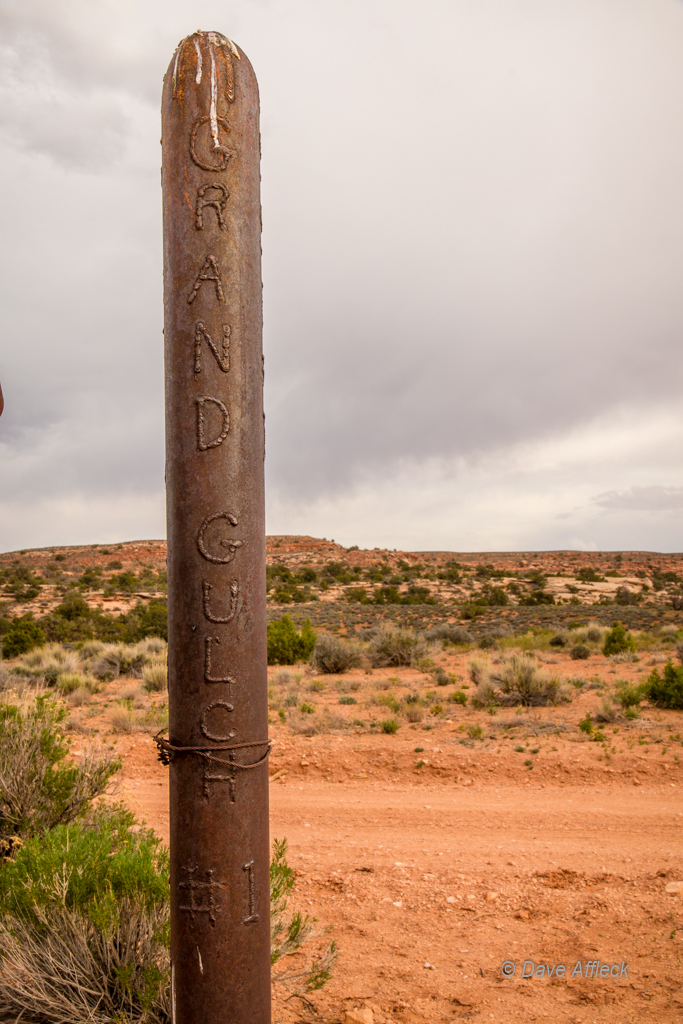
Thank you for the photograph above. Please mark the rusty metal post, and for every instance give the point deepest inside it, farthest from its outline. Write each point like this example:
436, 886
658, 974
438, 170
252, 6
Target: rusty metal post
218, 746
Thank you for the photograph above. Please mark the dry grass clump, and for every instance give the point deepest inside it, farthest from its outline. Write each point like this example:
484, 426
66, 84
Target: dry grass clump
90, 649
607, 712
450, 632
155, 674
69, 970
516, 681
112, 660
68, 682
285, 677
397, 647
152, 646
133, 693
593, 633
331, 654
314, 722
126, 718
80, 697
43, 666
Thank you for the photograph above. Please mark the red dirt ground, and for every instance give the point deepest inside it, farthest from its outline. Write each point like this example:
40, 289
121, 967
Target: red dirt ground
431, 877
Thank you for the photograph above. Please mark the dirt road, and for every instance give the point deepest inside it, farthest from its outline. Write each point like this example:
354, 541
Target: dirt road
430, 883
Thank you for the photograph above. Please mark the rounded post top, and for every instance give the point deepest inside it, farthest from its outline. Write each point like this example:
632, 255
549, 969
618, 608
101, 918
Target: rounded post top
200, 60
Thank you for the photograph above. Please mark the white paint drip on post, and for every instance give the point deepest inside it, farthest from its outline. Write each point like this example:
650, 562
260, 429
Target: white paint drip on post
199, 63
212, 108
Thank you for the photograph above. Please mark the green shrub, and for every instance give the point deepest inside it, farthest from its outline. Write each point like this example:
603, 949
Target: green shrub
618, 641
86, 926
630, 696
85, 930
389, 725
38, 791
334, 655
22, 636
286, 645
149, 620
475, 732
306, 709
458, 697
470, 610
441, 677
537, 597
99, 864
348, 700
580, 652
624, 596
288, 933
666, 692
588, 574
586, 725
388, 700
392, 595
74, 621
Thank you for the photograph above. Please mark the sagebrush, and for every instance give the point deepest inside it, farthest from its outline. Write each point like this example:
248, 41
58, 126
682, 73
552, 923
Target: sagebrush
516, 681
331, 654
39, 787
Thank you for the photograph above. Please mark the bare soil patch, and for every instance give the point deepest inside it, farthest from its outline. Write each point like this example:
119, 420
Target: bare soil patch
436, 858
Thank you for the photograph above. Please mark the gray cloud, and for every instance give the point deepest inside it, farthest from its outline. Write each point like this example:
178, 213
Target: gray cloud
473, 243
643, 499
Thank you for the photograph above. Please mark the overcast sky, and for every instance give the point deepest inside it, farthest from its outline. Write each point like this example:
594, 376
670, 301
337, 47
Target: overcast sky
473, 268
